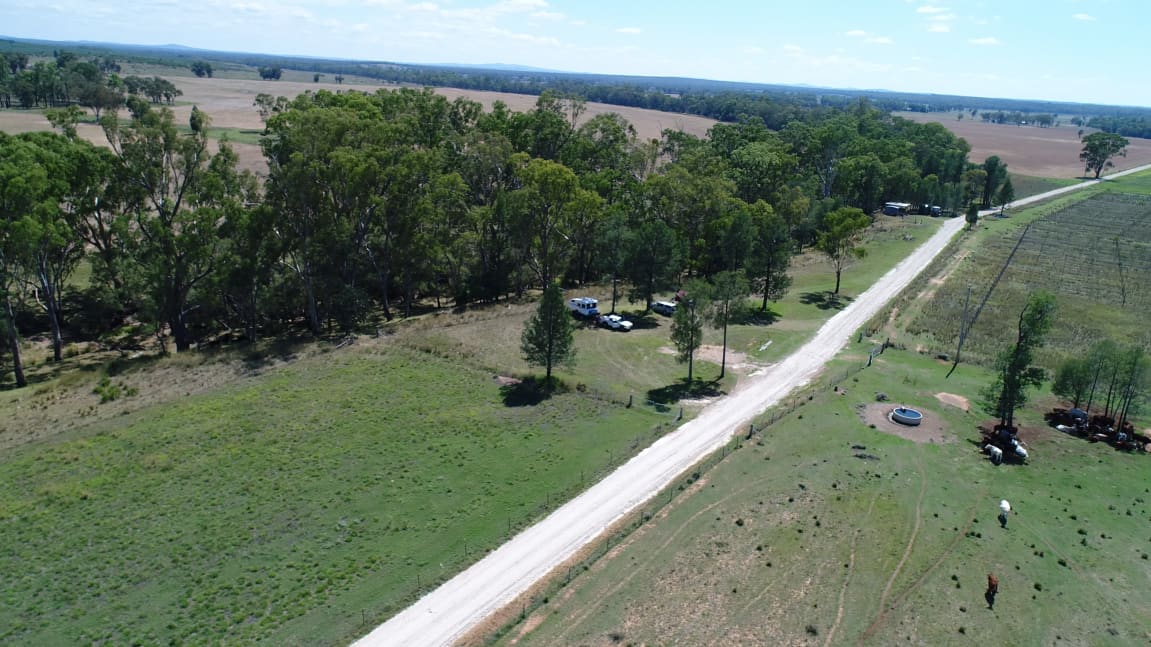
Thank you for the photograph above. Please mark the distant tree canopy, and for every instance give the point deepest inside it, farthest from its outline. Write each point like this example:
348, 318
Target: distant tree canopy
400, 200
270, 73
202, 69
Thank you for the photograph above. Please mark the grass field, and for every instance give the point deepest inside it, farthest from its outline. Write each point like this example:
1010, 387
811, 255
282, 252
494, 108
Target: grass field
827, 531
290, 508
1028, 185
299, 500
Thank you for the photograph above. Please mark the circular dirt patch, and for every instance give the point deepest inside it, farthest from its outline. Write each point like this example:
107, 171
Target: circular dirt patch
931, 430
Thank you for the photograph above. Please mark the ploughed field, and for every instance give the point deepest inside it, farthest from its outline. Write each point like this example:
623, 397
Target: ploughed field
1030, 150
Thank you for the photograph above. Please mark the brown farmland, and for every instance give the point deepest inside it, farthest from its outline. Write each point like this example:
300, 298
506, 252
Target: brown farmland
229, 104
1029, 150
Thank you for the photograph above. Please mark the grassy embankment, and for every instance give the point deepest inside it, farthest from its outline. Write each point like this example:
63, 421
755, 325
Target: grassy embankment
285, 506
829, 531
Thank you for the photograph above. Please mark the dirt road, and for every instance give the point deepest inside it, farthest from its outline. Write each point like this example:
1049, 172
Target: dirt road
450, 611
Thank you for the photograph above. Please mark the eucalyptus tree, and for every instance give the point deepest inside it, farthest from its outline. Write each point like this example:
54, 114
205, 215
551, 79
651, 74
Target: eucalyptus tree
729, 292
772, 249
46, 188
182, 193
1014, 372
840, 239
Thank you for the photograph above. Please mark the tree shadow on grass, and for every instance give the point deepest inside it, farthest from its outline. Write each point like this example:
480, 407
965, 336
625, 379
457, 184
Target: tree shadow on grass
642, 320
531, 391
755, 317
825, 300
672, 393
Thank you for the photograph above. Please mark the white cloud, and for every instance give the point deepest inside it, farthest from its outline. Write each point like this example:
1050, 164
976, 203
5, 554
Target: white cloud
628, 30
423, 6
753, 50
943, 17
529, 38
986, 40
939, 27
930, 9
1086, 17
869, 38
548, 15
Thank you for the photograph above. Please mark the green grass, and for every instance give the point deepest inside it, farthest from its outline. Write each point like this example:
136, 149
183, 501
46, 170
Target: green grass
1028, 185
287, 509
302, 506
1139, 183
793, 535
1091, 250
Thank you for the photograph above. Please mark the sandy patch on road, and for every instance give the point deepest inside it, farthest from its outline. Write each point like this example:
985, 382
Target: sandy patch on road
931, 430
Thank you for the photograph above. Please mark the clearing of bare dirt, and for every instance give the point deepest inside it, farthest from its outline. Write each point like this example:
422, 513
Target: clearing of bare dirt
1030, 150
957, 401
931, 430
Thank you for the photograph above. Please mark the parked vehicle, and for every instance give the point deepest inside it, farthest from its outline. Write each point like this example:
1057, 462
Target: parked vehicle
615, 322
585, 307
896, 209
664, 307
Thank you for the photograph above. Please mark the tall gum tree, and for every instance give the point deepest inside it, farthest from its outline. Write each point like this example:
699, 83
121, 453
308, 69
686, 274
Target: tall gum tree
1098, 150
1014, 373
182, 193
840, 238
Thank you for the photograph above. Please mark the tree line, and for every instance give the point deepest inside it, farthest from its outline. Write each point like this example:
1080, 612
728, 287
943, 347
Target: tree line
66, 80
378, 203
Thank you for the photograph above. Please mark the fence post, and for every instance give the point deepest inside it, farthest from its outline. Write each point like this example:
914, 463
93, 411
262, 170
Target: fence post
629, 396
750, 431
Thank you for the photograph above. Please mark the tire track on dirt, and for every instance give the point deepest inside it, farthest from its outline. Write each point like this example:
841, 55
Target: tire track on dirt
907, 549
850, 571
947, 552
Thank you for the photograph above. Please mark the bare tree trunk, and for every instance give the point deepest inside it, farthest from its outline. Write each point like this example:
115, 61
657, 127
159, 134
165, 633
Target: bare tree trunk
52, 309
14, 345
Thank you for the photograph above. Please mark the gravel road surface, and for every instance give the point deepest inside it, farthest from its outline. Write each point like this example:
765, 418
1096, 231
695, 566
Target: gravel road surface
450, 611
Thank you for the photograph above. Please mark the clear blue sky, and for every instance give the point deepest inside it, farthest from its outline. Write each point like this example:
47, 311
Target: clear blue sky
1093, 51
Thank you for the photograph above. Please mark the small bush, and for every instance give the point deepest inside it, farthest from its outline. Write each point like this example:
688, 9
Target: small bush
812, 630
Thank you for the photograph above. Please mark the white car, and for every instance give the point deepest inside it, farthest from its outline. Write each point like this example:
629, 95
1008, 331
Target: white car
615, 322
664, 307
